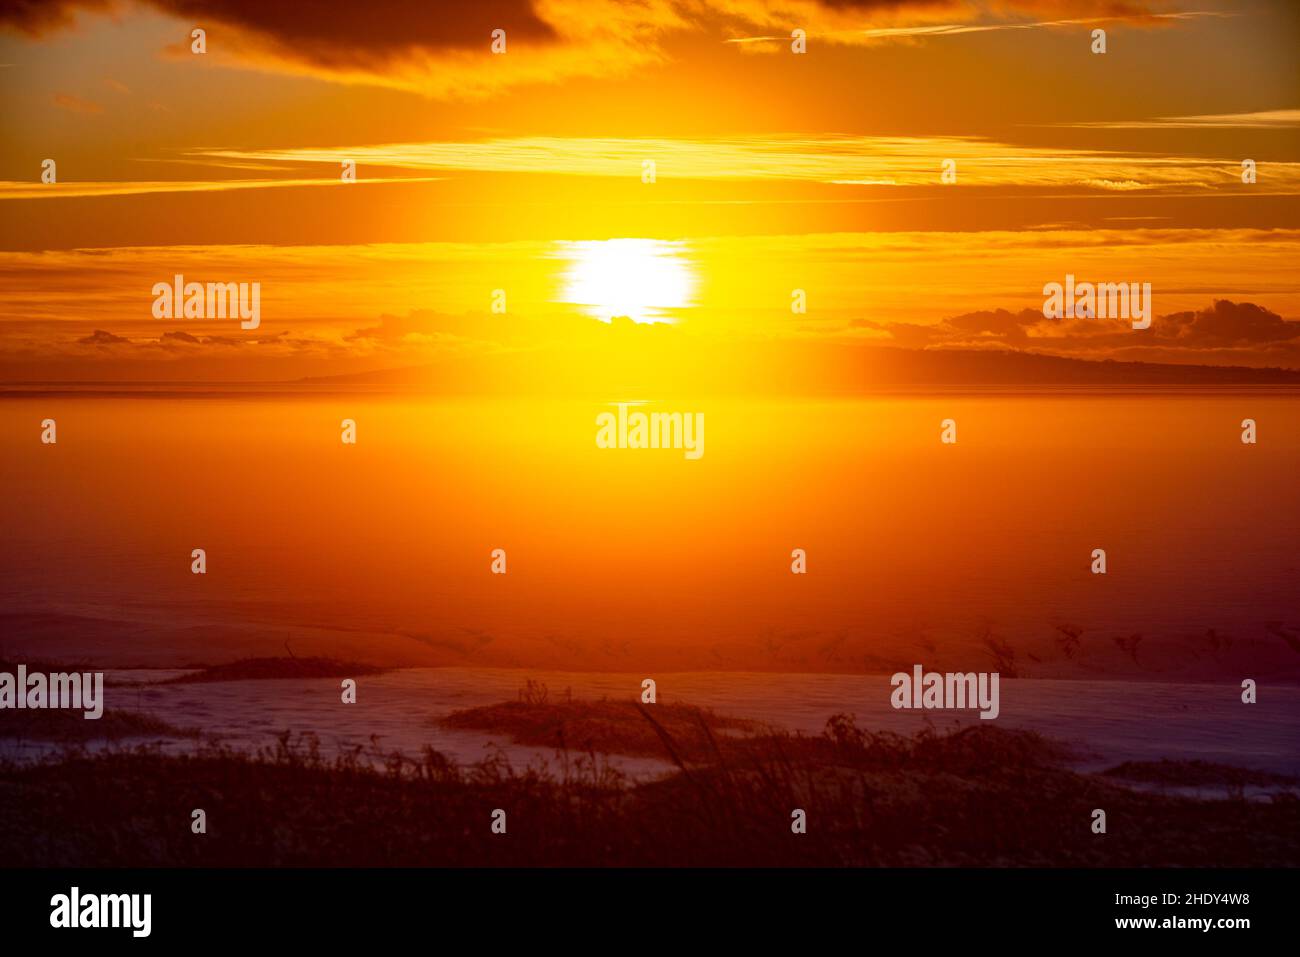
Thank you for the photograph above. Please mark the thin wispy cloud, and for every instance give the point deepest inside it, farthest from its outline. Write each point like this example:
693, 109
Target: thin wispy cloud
922, 31
844, 160
1263, 120
69, 190
76, 104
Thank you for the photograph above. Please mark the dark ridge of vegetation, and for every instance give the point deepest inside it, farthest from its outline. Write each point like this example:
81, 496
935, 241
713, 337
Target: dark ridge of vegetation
607, 727
10, 663
67, 726
980, 796
252, 669
1196, 773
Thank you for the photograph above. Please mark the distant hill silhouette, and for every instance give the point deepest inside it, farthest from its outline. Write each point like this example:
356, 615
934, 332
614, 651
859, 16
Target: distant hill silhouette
792, 369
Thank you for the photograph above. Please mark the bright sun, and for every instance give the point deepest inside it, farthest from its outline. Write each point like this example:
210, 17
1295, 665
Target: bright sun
643, 279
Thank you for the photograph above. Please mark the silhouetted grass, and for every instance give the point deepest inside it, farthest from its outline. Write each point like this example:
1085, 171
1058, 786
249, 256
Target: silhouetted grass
609, 727
979, 796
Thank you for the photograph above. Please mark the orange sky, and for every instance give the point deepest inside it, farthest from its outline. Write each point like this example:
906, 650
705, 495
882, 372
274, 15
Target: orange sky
774, 171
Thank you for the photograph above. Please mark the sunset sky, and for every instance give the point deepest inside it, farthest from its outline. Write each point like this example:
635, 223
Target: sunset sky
523, 171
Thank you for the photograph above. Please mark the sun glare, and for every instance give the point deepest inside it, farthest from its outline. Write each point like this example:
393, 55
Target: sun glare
642, 279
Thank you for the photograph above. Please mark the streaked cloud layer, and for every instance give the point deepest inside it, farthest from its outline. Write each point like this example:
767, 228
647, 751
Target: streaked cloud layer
847, 160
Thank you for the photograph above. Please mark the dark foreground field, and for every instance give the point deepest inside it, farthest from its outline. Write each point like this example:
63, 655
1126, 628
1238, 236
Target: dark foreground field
980, 796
